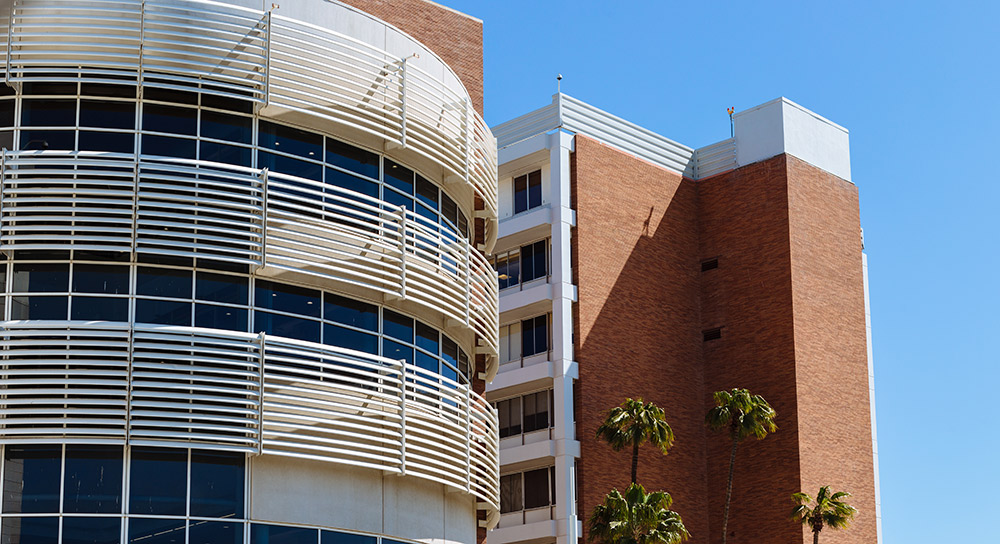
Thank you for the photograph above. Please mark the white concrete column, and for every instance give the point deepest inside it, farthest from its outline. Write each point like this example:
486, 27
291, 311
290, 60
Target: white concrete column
567, 449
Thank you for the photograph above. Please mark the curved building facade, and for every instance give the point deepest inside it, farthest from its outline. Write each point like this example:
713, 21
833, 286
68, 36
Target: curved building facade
245, 297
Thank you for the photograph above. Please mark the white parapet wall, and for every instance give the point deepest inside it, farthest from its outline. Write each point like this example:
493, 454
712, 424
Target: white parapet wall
782, 126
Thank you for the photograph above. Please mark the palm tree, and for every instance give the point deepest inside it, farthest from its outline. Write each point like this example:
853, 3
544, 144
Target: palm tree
743, 415
633, 423
636, 518
830, 510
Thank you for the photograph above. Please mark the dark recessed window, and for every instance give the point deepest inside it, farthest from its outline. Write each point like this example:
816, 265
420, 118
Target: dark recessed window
509, 412
215, 532
534, 261
337, 537
158, 118
449, 351
510, 493
287, 298
286, 326
96, 278
150, 92
108, 89
227, 154
217, 484
536, 411
352, 158
351, 183
31, 478
350, 339
428, 338
39, 307
49, 87
399, 176
222, 288
536, 488
166, 146
6, 113
396, 351
156, 531
99, 309
290, 166
104, 114
158, 481
275, 534
91, 530
534, 335
350, 312
47, 140
163, 282
712, 334
48, 113
528, 191
290, 140
710, 264
163, 312
93, 479
111, 142
231, 128
220, 317
31, 530
397, 326
427, 192
41, 278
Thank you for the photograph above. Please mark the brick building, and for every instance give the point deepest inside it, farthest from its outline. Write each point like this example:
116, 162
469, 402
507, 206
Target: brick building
634, 266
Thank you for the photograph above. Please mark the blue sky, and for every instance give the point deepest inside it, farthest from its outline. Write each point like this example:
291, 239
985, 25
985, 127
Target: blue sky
917, 85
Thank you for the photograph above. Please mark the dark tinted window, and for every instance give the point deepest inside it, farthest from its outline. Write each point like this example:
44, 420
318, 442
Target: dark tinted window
427, 192
31, 478
231, 128
228, 154
222, 288
163, 312
39, 307
96, 278
536, 411
290, 140
509, 414
156, 531
93, 479
216, 484
428, 338
41, 140
169, 147
215, 532
99, 309
397, 325
41, 277
534, 260
351, 183
48, 113
91, 530
158, 482
157, 118
536, 488
534, 336
397, 351
6, 113
163, 282
287, 326
111, 142
350, 339
220, 317
352, 158
510, 493
274, 534
287, 298
30, 530
336, 537
350, 312
102, 114
290, 166
399, 176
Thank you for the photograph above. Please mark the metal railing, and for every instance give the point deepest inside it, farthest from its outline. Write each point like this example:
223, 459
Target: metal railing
116, 383
281, 64
273, 222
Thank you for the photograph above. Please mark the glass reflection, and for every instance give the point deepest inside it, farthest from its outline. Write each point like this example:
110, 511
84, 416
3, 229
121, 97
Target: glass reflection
30, 531
31, 478
93, 479
157, 482
217, 484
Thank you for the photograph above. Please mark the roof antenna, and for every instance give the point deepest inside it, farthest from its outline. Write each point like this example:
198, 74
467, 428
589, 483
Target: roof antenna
559, 84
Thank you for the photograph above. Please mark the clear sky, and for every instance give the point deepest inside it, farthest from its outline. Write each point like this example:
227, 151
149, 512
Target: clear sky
918, 85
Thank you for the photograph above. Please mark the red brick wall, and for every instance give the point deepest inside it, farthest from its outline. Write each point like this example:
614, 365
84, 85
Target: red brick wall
636, 322
456, 38
788, 294
830, 345
744, 222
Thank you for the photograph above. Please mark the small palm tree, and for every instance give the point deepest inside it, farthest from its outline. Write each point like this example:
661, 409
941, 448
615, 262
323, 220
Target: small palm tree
830, 510
743, 415
636, 518
633, 423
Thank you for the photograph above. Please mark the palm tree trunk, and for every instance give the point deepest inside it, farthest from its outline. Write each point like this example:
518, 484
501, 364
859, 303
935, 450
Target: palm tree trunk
815, 536
729, 491
635, 459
